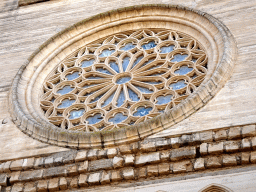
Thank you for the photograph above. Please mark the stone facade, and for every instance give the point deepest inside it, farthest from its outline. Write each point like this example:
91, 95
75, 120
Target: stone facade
203, 145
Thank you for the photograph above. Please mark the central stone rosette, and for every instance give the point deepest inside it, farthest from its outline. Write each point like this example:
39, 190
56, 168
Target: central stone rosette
123, 79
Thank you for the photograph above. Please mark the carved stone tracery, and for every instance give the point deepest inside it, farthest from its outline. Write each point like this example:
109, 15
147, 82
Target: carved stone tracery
123, 79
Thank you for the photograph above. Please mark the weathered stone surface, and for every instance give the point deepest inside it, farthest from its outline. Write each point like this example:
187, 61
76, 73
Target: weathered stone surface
18, 187
175, 142
234, 133
142, 173
3, 179
152, 170
118, 162
164, 169
216, 148
63, 183
100, 164
55, 172
147, 158
105, 177
42, 186
162, 144
112, 152
30, 187
83, 167
92, 154
58, 161
134, 147
229, 160
186, 140
199, 164
248, 131
53, 184
203, 148
182, 167
183, 153
28, 163
245, 158
14, 177
94, 178
72, 170
165, 155
125, 149
246, 145
232, 146
147, 146
102, 154
39, 163
31, 175
48, 162
196, 139
116, 176
220, 135
6, 167
128, 173
81, 156
74, 182
213, 162
82, 180
206, 136
253, 157
129, 160
16, 165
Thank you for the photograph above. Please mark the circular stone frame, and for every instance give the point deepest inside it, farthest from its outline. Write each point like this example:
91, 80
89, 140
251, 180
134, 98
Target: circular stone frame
211, 33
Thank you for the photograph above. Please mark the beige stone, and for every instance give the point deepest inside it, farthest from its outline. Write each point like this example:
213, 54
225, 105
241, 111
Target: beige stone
128, 173
92, 154
16, 165
105, 177
28, 163
63, 183
206, 136
94, 178
53, 184
116, 176
125, 149
253, 157
248, 131
183, 153
232, 146
118, 162
142, 172
216, 148
83, 167
175, 142
165, 155
42, 186
129, 160
213, 162
81, 156
220, 135
234, 133
245, 158
112, 152
152, 170
229, 160
30, 187
164, 169
203, 148
147, 158
246, 145
14, 177
82, 180
148, 146
182, 167
74, 182
17, 187
199, 164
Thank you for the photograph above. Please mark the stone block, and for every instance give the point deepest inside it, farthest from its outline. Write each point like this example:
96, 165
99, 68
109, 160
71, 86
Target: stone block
116, 176
246, 145
112, 152
186, 140
42, 186
203, 149
164, 169
142, 173
48, 162
129, 160
148, 146
152, 170
3, 179
82, 180
199, 164
30, 187
165, 155
58, 161
128, 173
196, 139
92, 154
28, 163
81, 156
74, 182
220, 135
175, 142
1, 167
16, 165
248, 131
183, 153
18, 187
72, 170
63, 183
6, 166
162, 144
253, 141
31, 175
83, 167
232, 146
213, 162
94, 178
245, 158
102, 154
253, 157
118, 162
234, 133
216, 148
39, 163
182, 167
55, 172
147, 158
229, 160
125, 149
14, 177
105, 178
206, 136
53, 184
100, 164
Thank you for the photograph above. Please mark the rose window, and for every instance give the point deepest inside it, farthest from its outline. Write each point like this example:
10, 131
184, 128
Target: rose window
123, 79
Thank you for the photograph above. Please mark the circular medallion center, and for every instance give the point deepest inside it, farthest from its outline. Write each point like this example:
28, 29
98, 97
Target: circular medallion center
123, 79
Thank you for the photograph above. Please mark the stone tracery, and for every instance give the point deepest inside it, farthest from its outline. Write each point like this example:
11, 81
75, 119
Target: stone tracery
123, 79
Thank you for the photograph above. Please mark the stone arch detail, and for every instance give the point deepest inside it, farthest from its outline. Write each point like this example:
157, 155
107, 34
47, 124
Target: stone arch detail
215, 188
